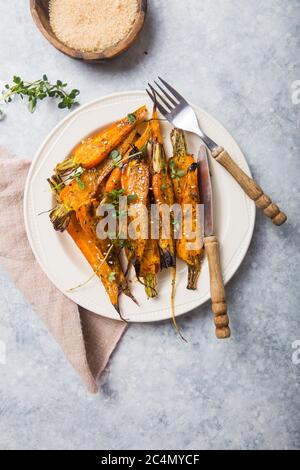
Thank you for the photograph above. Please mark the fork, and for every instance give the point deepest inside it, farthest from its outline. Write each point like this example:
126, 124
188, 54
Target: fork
179, 113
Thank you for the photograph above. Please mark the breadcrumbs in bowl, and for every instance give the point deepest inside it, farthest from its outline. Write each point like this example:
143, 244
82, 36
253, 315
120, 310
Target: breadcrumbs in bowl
92, 25
90, 30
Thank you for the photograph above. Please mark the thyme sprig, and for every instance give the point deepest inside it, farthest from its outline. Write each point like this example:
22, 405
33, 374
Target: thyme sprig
38, 90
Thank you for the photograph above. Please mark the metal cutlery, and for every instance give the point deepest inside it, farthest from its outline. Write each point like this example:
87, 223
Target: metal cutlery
211, 245
179, 113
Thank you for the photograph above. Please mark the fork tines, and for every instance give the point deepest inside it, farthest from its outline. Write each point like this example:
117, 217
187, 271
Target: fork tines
165, 102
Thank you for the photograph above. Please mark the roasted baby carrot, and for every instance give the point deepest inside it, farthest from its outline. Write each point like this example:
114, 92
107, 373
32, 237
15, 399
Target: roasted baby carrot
150, 262
81, 191
179, 163
163, 193
164, 198
88, 220
96, 259
155, 127
87, 243
144, 138
149, 267
114, 180
93, 150
187, 191
135, 183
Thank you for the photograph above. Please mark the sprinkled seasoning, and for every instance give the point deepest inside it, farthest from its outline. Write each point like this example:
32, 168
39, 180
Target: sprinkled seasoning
92, 25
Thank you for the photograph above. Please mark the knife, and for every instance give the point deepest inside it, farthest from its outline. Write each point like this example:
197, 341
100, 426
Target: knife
212, 249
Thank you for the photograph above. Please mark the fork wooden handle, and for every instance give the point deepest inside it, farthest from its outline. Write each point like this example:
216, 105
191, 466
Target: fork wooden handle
250, 187
217, 291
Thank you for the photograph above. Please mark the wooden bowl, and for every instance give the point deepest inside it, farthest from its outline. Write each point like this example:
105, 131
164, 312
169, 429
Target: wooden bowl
40, 13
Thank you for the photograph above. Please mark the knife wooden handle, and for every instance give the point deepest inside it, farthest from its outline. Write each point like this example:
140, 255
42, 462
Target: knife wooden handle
217, 291
251, 188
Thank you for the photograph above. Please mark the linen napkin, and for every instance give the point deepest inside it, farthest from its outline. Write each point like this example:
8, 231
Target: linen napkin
86, 339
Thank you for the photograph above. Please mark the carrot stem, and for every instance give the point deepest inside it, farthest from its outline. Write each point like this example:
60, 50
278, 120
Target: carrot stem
173, 305
72, 289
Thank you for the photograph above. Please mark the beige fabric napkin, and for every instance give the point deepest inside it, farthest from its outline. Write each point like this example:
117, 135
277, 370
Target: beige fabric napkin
87, 339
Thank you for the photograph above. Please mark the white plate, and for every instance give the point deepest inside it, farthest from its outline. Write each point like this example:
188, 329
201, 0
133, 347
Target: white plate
62, 261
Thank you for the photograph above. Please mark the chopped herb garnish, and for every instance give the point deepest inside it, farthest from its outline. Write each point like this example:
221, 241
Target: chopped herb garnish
80, 182
131, 197
112, 276
77, 176
114, 154
114, 195
175, 173
131, 118
122, 243
116, 157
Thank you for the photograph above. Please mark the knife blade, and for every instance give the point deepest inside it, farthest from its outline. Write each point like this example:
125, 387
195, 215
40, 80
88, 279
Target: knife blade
206, 191
211, 246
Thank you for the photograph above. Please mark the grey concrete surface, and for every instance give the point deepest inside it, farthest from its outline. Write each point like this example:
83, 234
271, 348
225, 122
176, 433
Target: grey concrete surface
238, 59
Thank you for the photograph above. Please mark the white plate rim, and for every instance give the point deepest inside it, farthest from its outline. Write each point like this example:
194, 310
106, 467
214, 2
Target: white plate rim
164, 313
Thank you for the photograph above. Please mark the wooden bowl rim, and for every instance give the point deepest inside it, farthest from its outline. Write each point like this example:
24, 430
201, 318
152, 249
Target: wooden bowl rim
109, 53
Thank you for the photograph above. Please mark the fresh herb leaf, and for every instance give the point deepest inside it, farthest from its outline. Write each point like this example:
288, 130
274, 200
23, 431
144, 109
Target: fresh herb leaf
114, 154
32, 101
112, 276
116, 157
77, 176
175, 173
116, 193
131, 118
131, 197
80, 182
122, 243
39, 90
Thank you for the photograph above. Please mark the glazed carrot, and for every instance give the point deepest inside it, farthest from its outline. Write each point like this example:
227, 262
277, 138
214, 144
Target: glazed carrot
76, 194
87, 244
86, 216
96, 259
187, 190
91, 151
163, 193
135, 183
150, 263
149, 267
144, 138
155, 127
124, 150
180, 162
88, 220
102, 257
114, 180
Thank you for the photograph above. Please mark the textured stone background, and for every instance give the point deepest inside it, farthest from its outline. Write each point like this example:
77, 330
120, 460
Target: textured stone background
238, 60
